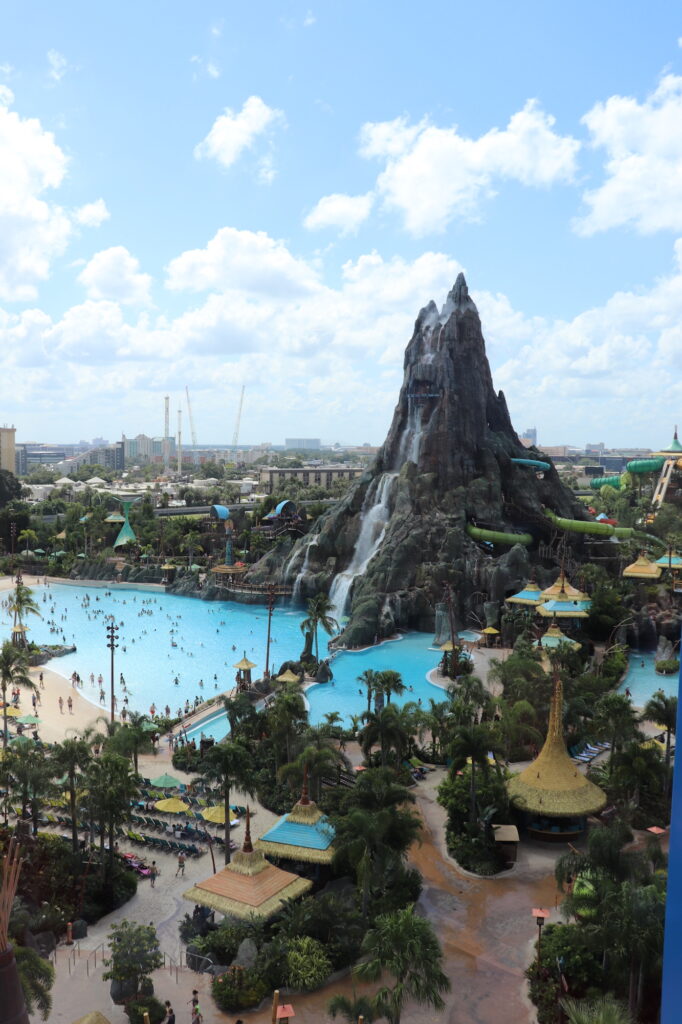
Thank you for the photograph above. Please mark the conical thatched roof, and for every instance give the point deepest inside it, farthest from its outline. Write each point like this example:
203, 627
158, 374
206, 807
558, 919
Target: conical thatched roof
552, 785
561, 587
305, 833
643, 569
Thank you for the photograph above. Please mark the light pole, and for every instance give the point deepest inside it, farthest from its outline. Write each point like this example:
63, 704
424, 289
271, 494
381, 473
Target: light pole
540, 916
271, 605
112, 637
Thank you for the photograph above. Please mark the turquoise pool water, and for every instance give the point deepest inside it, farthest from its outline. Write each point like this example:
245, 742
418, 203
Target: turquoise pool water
642, 681
210, 636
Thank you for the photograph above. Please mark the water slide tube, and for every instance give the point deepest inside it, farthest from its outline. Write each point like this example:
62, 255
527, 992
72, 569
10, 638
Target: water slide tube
595, 529
532, 464
605, 481
497, 537
646, 465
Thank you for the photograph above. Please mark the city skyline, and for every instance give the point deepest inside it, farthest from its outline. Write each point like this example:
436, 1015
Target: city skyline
298, 181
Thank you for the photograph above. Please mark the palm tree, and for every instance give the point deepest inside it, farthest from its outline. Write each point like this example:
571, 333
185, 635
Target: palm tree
662, 710
319, 614
471, 742
351, 1009
13, 666
516, 726
29, 537
391, 682
132, 739
386, 729
321, 762
20, 604
369, 679
359, 840
637, 768
405, 946
71, 756
606, 1010
190, 544
615, 718
111, 786
229, 764
286, 713
633, 917
30, 775
377, 789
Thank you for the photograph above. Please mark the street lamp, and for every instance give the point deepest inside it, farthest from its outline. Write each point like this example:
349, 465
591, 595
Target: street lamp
112, 637
540, 916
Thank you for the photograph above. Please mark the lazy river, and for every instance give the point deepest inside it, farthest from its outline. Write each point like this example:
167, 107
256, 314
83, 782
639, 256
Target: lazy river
164, 637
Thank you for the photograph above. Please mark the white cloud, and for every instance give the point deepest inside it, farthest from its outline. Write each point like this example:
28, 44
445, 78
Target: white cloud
114, 274
266, 170
32, 229
212, 70
6, 69
242, 260
434, 175
58, 65
643, 147
309, 19
340, 211
91, 215
234, 132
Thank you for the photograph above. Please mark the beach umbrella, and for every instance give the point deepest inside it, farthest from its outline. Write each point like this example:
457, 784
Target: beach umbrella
217, 815
490, 631
288, 677
81, 554
194, 567
29, 720
447, 646
95, 1017
166, 781
12, 712
21, 741
149, 726
59, 554
172, 805
38, 551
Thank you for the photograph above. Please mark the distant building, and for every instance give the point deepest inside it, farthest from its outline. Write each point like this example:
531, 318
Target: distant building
142, 449
111, 457
303, 444
595, 448
530, 434
7, 448
310, 476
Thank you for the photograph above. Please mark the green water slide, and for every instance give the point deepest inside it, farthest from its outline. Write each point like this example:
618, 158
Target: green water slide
605, 481
646, 465
592, 528
497, 537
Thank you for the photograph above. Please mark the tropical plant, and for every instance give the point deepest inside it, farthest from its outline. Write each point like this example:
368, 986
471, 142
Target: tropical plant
319, 609
615, 719
13, 674
71, 757
111, 785
284, 717
471, 743
227, 765
605, 1010
320, 763
404, 946
36, 977
351, 1009
132, 738
386, 729
307, 964
29, 538
30, 779
21, 603
135, 953
662, 710
390, 682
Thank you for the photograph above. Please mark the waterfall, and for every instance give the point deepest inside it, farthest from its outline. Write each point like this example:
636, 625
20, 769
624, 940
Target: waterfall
374, 519
412, 435
312, 543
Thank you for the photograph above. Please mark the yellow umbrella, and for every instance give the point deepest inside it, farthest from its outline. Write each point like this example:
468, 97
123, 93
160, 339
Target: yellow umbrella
490, 630
244, 663
217, 815
12, 712
447, 646
288, 677
173, 805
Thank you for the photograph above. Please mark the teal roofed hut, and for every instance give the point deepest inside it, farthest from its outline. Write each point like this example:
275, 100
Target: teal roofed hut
530, 595
304, 834
126, 533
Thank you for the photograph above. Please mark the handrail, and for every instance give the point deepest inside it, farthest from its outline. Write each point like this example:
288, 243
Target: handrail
94, 952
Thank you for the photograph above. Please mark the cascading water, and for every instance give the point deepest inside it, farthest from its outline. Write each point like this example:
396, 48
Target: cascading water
298, 582
375, 515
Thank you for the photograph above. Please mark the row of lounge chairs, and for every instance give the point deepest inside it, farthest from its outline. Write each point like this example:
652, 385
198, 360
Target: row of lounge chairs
172, 846
587, 753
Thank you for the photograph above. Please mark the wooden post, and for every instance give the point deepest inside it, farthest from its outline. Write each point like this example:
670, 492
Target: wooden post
361, 1019
275, 1004
145, 1018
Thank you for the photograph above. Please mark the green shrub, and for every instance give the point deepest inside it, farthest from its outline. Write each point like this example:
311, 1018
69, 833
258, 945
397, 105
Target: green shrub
308, 965
137, 1007
238, 990
185, 759
222, 943
581, 966
669, 667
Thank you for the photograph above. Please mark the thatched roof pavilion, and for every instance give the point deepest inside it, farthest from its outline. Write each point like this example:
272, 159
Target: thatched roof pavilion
552, 786
305, 833
249, 885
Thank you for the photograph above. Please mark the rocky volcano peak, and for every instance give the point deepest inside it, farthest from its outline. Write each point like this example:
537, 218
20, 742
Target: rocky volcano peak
449, 466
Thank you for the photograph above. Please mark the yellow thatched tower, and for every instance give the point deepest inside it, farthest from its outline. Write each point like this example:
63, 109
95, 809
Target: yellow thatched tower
552, 792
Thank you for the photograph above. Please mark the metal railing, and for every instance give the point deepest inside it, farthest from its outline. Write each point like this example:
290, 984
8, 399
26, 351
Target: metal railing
93, 953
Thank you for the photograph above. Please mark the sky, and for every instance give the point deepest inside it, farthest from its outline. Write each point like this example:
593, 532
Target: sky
215, 195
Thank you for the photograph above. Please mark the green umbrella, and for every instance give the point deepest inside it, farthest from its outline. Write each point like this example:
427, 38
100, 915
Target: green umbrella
194, 567
38, 551
59, 554
80, 555
21, 741
149, 726
166, 782
29, 720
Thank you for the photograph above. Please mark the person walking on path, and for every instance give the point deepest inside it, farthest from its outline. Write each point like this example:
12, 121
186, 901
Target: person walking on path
170, 1013
153, 874
181, 865
70, 704
40, 680
61, 705
197, 1017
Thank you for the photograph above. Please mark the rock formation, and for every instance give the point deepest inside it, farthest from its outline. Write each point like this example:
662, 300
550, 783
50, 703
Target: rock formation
386, 552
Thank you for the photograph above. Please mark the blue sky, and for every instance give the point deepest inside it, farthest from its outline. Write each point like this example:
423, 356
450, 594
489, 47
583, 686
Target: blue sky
266, 195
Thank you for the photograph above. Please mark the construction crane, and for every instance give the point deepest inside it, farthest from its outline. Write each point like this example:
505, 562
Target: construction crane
235, 436
191, 419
